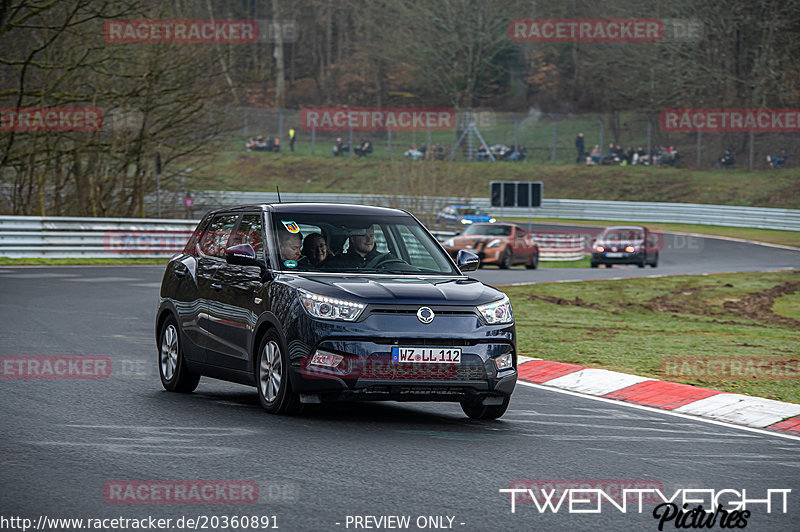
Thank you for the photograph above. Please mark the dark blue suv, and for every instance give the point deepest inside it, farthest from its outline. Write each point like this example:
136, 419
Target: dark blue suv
318, 302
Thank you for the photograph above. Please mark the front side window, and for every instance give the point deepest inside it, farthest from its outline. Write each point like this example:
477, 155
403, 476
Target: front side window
357, 244
250, 232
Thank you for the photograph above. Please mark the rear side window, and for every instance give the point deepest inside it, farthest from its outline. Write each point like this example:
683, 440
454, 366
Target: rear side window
215, 237
250, 232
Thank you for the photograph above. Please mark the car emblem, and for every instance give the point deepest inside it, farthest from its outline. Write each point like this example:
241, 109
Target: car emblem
425, 315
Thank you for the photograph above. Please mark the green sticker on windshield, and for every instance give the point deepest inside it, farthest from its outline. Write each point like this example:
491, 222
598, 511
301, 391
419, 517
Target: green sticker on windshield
290, 263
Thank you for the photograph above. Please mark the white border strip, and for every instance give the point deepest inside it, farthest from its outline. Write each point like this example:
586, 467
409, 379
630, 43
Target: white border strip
763, 432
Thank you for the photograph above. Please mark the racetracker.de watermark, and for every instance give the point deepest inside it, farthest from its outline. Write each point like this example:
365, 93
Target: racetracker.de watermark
378, 119
198, 31
728, 368
28, 119
55, 367
598, 30
730, 120
180, 492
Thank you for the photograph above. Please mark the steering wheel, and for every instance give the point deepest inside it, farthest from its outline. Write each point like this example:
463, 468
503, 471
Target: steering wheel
382, 260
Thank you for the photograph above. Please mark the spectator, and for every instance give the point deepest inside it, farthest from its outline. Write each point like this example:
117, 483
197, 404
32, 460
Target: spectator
340, 147
580, 148
413, 153
188, 206
778, 161
726, 161
364, 149
596, 156
518, 154
292, 136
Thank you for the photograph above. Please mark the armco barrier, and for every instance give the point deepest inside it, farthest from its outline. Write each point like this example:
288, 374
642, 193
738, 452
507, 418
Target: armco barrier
64, 237
685, 213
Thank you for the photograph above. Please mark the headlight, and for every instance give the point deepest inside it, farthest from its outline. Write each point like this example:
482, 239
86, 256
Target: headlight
492, 220
329, 308
600, 249
466, 222
497, 312
630, 249
450, 243
494, 243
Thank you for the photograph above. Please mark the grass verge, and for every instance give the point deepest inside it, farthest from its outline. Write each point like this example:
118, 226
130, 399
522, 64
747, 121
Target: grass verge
632, 325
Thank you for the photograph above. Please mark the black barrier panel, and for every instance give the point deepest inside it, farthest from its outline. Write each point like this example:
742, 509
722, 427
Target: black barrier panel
509, 194
495, 191
536, 194
523, 194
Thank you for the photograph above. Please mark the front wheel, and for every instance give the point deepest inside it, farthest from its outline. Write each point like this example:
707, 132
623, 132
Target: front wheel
506, 261
272, 378
533, 263
175, 376
654, 262
475, 410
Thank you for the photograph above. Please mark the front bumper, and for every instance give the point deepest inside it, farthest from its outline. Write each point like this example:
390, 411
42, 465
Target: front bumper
624, 258
368, 373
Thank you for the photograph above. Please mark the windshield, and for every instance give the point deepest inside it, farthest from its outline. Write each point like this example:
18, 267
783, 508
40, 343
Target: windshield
489, 230
622, 234
324, 242
468, 210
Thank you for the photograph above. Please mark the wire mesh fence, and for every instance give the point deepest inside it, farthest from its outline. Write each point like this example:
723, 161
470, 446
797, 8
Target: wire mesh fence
532, 137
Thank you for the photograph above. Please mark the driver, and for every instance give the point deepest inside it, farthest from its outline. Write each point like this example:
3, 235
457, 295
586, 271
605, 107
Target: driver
361, 253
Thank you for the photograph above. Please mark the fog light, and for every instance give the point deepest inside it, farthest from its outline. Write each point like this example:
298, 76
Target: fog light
503, 362
325, 359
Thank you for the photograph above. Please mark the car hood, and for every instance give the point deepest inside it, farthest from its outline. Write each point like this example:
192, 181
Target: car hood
397, 290
476, 239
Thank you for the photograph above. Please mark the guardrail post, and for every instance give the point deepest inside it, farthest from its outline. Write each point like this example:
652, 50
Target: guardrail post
699, 147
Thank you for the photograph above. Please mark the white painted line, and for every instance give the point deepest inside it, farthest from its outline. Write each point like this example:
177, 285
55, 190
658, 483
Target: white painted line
596, 381
751, 411
672, 413
521, 359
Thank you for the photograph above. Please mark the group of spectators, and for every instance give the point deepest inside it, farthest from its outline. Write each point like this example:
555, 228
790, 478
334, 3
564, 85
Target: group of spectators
663, 156
501, 152
341, 147
436, 152
272, 144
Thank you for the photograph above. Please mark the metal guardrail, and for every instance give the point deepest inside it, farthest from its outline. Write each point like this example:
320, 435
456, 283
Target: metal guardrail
64, 237
67, 237
685, 213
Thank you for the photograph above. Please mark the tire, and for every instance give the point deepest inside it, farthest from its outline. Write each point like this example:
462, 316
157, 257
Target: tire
654, 262
593, 264
533, 263
175, 376
272, 378
507, 261
642, 263
478, 411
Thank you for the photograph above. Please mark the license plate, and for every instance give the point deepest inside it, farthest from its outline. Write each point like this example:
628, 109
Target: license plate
426, 355
614, 255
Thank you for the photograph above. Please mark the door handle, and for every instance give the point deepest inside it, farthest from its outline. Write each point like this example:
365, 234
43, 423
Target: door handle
216, 286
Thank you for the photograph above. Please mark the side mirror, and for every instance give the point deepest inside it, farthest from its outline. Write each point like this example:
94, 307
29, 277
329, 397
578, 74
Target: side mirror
467, 261
242, 255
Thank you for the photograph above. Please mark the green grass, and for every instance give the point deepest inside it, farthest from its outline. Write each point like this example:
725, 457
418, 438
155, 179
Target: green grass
630, 325
6, 261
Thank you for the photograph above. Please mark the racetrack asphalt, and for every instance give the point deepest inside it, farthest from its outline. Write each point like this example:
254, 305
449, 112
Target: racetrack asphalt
63, 441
